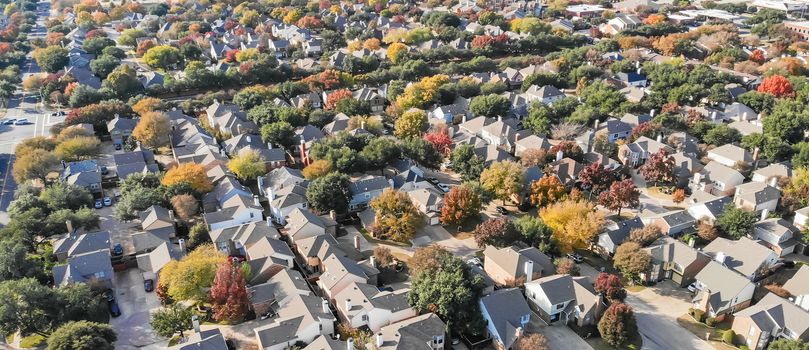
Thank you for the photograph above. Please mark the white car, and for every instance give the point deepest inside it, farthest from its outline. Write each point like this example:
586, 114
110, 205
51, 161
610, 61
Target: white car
692, 287
443, 187
475, 261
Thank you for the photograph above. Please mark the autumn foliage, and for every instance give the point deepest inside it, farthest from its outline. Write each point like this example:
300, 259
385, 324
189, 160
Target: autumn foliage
229, 293
191, 173
461, 203
777, 85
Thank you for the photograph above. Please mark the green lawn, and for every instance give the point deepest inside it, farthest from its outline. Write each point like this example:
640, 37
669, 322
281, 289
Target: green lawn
32, 341
599, 344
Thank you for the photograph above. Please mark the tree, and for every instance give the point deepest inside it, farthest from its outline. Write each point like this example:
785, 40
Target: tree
461, 204
28, 307
82, 335
185, 205
610, 286
104, 65
574, 223
533, 341
16, 263
618, 326
129, 37
396, 52
596, 178
247, 165
229, 293
191, 173
443, 143
707, 231
279, 133
162, 56
535, 233
499, 232
621, 194
490, 106
736, 222
78, 148
678, 196
796, 192
566, 266
533, 157
190, 277
466, 162
51, 59
152, 130
123, 81
421, 151
659, 167
380, 152
504, 179
410, 124
645, 235
396, 216
95, 45
169, 321
383, 256
777, 85
631, 260
428, 258
65, 196
548, 189
451, 291
788, 344
329, 192
35, 164
317, 169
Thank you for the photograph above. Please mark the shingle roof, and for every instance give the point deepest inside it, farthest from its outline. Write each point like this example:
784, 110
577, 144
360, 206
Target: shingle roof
505, 307
414, 333
773, 314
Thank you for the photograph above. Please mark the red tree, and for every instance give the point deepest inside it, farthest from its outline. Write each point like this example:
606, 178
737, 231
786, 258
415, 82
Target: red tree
230, 56
610, 286
648, 129
618, 326
777, 85
337, 96
659, 167
621, 194
440, 140
143, 47
309, 22
461, 203
595, 178
482, 41
498, 232
229, 294
758, 56
569, 149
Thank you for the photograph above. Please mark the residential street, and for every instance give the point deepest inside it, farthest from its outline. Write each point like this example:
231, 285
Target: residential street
656, 310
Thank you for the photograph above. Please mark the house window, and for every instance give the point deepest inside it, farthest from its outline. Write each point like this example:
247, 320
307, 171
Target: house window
677, 268
364, 318
525, 319
320, 326
367, 195
438, 339
559, 306
752, 331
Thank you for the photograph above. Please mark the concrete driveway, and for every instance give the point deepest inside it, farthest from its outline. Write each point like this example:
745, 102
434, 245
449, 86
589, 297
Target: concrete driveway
562, 337
136, 304
461, 248
656, 311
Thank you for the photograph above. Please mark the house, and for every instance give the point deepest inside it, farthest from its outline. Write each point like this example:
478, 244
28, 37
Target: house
798, 288
266, 258
801, 220
745, 256
372, 96
757, 197
636, 79
506, 314
364, 189
235, 240
722, 291
83, 259
565, 299
237, 210
136, 162
566, 169
303, 319
364, 305
158, 221
273, 157
285, 189
338, 273
76, 244
422, 332
513, 266
771, 318
314, 250
730, 155
530, 142
303, 223
563, 25
584, 11
83, 173
631, 6
144, 242
120, 129
675, 260
675, 222
777, 234
428, 201
620, 129
636, 153
277, 292
772, 171
499, 134
616, 233
152, 262
210, 339
709, 211
547, 94
229, 119
717, 179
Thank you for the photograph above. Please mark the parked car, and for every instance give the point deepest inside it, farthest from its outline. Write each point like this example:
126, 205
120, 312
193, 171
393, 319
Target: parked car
475, 261
9, 121
502, 211
148, 285
443, 187
99, 204
115, 311
117, 249
58, 114
575, 257
104, 170
431, 180
109, 295
107, 201
692, 287
22, 121
118, 147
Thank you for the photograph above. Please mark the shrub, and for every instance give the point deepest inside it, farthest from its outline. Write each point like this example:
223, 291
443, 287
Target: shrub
691, 311
710, 322
728, 336
744, 347
698, 315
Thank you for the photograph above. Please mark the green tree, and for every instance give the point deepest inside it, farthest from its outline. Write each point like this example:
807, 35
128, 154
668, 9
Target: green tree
123, 81
172, 320
329, 192
534, 232
722, 135
786, 122
602, 98
466, 162
631, 260
129, 37
279, 133
104, 65
380, 152
735, 222
422, 152
247, 165
95, 45
28, 307
52, 58
788, 344
83, 335
61, 195
16, 263
162, 56
490, 106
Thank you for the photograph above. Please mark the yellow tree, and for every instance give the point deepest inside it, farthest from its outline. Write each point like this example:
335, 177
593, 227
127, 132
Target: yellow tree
396, 52
191, 173
247, 165
148, 104
396, 216
371, 44
152, 130
293, 16
78, 148
317, 169
574, 223
411, 124
190, 277
504, 179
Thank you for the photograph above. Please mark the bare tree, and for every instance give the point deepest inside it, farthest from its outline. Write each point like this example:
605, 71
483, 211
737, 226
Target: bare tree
566, 131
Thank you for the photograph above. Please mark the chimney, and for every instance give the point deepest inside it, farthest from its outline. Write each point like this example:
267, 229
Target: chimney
559, 155
638, 71
333, 216
256, 201
379, 340
660, 137
373, 261
450, 131
463, 119
260, 182
714, 115
755, 155
64, 165
348, 305
528, 269
764, 214
357, 242
697, 178
758, 117
774, 181
598, 305
350, 344
325, 304
362, 125
195, 322
249, 139
69, 225
720, 257
269, 145
743, 117
499, 118
182, 245
516, 137
652, 113
595, 124
691, 242
706, 297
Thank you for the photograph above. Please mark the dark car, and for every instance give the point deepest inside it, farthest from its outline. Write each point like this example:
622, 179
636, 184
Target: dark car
115, 311
502, 211
104, 170
117, 249
109, 295
118, 146
575, 257
432, 180
148, 285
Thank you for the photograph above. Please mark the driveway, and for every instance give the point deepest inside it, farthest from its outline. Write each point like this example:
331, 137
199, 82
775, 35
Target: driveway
136, 304
562, 337
461, 248
656, 311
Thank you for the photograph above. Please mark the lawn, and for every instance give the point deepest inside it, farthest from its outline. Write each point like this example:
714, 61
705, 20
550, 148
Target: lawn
32, 341
700, 329
371, 239
599, 344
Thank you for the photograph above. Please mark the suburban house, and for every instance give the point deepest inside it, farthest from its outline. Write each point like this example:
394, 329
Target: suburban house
314, 250
75, 244
530, 142
777, 234
277, 291
135, 162
675, 222
745, 256
547, 94
730, 155
235, 240
426, 331
285, 189
121, 129
506, 314
364, 305
675, 260
771, 318
710, 210
511, 265
722, 291
565, 298
636, 153
158, 221
152, 262
339, 271
798, 287
717, 179
757, 197
237, 210
303, 223
228, 119
428, 201
84, 174
364, 189
801, 220
266, 258
616, 233
775, 170
207, 339
83, 259
303, 319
